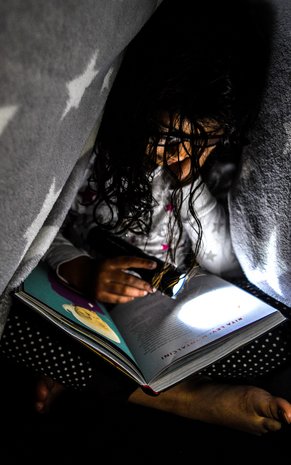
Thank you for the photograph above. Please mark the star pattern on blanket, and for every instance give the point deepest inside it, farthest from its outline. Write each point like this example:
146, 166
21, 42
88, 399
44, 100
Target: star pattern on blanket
210, 255
35, 226
6, 115
107, 79
76, 88
272, 265
287, 148
41, 242
270, 271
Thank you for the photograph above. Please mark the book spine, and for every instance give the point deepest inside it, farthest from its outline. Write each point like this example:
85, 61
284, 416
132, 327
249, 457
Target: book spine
149, 391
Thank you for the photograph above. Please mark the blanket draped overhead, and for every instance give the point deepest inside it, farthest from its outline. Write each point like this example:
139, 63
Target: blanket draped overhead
58, 61
260, 202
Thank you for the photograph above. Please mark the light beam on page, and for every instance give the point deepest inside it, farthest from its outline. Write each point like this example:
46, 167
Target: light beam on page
215, 307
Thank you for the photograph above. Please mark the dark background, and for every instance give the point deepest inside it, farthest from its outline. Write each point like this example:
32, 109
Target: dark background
84, 428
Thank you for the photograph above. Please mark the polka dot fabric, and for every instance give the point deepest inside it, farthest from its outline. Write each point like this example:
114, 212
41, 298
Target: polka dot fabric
29, 344
262, 356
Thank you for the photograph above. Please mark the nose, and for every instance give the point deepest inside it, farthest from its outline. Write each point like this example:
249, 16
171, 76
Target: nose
171, 150
160, 150
174, 153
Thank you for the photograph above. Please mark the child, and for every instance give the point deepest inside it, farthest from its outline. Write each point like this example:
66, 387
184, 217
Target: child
174, 113
167, 152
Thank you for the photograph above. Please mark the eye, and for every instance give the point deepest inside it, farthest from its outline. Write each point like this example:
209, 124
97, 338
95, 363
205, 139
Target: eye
173, 140
214, 140
211, 141
169, 140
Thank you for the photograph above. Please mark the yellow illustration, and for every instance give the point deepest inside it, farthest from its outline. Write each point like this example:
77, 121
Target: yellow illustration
92, 320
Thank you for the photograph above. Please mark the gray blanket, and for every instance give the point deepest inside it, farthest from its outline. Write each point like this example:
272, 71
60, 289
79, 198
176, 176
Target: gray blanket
260, 204
58, 60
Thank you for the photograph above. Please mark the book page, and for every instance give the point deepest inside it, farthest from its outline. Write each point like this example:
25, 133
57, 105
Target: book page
43, 285
160, 330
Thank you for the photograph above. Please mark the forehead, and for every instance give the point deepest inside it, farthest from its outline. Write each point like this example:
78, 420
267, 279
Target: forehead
177, 123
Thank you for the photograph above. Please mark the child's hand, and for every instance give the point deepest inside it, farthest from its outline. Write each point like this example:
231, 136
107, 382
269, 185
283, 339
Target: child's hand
114, 284
109, 282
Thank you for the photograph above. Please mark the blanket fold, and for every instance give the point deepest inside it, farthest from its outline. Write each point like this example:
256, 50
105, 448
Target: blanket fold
58, 61
260, 202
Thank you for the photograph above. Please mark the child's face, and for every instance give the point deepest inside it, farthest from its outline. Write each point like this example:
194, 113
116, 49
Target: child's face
175, 149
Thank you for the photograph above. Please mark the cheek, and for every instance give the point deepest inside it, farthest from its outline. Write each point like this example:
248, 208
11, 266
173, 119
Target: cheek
184, 152
160, 151
181, 169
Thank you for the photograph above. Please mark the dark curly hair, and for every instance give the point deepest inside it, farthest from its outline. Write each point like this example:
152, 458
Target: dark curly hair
195, 63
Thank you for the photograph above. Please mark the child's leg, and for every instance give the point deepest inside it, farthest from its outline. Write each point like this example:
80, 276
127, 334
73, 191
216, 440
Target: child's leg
245, 408
47, 390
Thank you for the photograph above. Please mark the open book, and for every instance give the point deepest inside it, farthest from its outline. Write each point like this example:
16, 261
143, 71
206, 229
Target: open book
156, 340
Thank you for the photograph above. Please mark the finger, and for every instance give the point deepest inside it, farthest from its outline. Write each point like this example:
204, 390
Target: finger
119, 283
125, 290
114, 298
124, 278
133, 280
117, 294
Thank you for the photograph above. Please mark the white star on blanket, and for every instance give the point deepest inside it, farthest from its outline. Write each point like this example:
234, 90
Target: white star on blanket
34, 228
77, 86
6, 115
